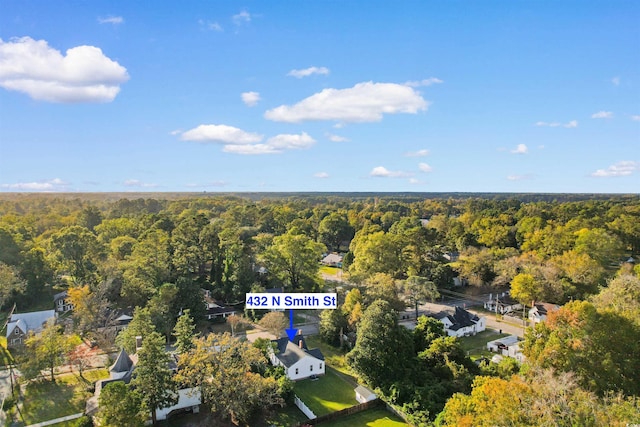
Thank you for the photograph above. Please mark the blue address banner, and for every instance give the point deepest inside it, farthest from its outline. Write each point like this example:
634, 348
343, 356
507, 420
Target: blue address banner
308, 301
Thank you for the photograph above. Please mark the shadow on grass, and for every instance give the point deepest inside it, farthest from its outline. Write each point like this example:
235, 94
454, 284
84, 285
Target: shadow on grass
45, 400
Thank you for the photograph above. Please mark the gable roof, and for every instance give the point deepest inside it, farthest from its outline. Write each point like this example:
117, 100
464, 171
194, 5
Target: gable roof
59, 296
461, 318
332, 259
33, 321
545, 308
289, 353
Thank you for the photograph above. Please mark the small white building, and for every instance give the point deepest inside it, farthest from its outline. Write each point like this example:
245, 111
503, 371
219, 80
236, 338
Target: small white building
297, 360
364, 395
541, 310
462, 323
507, 346
332, 260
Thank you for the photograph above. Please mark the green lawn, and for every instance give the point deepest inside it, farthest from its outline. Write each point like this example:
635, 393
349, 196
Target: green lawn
5, 356
44, 400
332, 271
333, 356
327, 394
478, 343
378, 417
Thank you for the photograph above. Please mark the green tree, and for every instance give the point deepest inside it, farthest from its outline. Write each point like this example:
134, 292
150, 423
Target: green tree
184, 331
11, 284
76, 251
382, 286
120, 406
621, 296
36, 271
426, 331
599, 245
153, 376
335, 229
417, 289
294, 260
378, 252
383, 348
47, 349
141, 325
525, 288
228, 377
332, 324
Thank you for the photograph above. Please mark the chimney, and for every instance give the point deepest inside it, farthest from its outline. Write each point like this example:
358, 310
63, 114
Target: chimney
300, 343
138, 342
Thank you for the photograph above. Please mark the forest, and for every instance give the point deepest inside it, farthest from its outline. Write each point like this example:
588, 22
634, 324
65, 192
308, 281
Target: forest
154, 253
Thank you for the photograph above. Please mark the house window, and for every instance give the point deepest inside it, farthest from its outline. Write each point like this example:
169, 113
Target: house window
321, 366
311, 368
296, 371
16, 331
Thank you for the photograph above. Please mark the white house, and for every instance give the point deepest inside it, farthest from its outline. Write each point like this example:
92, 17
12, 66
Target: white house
507, 346
61, 302
462, 323
502, 303
297, 360
540, 311
21, 324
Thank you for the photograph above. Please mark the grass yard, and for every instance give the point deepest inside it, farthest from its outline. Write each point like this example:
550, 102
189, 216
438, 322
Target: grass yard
5, 356
477, 344
45, 401
331, 271
378, 417
327, 394
333, 356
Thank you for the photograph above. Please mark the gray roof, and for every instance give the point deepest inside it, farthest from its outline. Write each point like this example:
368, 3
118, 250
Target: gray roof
290, 352
364, 392
60, 295
33, 321
461, 318
122, 364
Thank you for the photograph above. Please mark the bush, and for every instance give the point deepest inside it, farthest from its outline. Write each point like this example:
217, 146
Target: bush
9, 403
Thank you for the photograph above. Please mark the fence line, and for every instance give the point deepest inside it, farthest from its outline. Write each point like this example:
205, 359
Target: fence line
343, 413
304, 408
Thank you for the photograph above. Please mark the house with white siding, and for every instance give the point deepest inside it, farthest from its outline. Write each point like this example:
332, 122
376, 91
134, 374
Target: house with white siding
462, 323
298, 361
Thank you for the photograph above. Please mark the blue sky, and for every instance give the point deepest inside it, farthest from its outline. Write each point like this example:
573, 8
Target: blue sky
527, 96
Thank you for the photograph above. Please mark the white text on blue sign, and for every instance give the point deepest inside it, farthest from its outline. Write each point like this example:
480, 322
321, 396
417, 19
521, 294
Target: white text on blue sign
283, 301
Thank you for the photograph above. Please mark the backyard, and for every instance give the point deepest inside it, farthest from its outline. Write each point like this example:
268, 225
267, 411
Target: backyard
477, 345
333, 356
326, 394
378, 417
44, 400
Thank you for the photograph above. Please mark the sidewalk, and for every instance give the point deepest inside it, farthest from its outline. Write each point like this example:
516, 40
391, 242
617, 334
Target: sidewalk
57, 420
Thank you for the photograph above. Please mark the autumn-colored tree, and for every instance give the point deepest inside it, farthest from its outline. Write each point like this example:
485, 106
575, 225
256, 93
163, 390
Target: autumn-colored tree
274, 322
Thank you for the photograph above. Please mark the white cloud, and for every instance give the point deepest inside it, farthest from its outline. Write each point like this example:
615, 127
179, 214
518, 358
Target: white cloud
175, 132
520, 149
250, 98
137, 183
321, 175
115, 20
84, 74
211, 26
220, 133
602, 115
425, 82
419, 153
274, 145
615, 81
337, 138
308, 71
623, 168
364, 102
414, 181
382, 172
291, 141
55, 184
241, 18
425, 167
636, 118
571, 124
